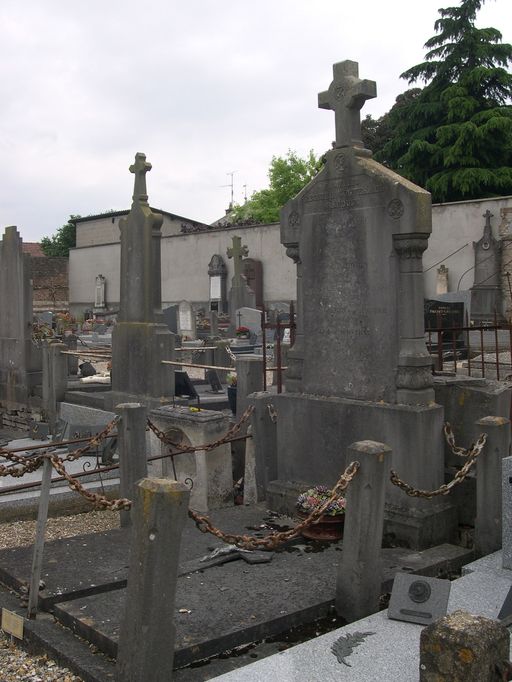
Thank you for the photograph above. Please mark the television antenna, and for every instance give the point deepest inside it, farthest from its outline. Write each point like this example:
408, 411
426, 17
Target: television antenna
232, 185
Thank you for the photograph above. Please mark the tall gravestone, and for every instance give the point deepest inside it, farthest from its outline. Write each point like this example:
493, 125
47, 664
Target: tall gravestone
486, 291
217, 273
20, 359
359, 368
240, 294
141, 339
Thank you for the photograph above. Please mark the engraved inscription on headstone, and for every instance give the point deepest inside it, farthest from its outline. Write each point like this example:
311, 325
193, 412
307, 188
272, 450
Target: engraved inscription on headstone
215, 290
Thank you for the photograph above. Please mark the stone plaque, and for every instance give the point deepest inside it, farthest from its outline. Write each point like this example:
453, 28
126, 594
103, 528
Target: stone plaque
418, 599
12, 623
215, 287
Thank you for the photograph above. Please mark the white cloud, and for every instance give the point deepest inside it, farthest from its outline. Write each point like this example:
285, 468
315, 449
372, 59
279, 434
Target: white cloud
202, 87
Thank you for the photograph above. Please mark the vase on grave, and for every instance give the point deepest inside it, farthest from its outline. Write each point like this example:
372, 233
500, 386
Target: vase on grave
327, 529
232, 398
330, 525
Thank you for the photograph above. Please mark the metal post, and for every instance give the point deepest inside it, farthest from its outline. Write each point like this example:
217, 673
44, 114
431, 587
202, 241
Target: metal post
279, 363
488, 522
37, 558
133, 464
264, 342
359, 577
148, 632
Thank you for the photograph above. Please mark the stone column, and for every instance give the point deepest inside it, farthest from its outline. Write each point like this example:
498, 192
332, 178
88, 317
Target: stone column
133, 463
506, 494
488, 484
249, 372
463, 648
359, 579
55, 380
414, 377
148, 632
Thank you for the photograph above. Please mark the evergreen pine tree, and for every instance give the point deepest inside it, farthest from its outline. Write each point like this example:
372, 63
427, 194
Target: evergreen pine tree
454, 136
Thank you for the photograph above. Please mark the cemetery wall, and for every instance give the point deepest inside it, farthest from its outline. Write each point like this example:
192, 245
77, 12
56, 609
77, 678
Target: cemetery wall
456, 226
185, 259
185, 256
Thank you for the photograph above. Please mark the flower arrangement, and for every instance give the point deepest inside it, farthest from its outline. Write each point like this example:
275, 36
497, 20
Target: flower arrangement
242, 331
231, 379
312, 498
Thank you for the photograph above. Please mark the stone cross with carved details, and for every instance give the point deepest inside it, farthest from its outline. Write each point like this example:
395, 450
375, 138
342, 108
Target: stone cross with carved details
346, 96
140, 168
237, 252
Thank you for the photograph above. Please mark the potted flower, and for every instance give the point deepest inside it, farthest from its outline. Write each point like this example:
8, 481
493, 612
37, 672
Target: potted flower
242, 332
231, 381
330, 524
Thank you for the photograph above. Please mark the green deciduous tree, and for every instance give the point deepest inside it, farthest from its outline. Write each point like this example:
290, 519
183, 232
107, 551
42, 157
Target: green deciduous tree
63, 240
287, 176
454, 136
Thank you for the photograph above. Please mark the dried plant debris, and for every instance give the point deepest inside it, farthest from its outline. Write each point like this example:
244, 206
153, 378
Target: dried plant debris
18, 666
345, 645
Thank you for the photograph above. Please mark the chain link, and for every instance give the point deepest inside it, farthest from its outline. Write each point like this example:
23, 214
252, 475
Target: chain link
230, 353
273, 540
472, 454
450, 439
272, 413
182, 448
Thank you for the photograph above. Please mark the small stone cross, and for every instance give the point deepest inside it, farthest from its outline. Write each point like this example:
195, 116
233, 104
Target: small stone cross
237, 252
140, 168
346, 95
487, 227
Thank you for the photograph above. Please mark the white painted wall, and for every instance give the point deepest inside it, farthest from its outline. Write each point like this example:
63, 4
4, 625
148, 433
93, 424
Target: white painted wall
456, 226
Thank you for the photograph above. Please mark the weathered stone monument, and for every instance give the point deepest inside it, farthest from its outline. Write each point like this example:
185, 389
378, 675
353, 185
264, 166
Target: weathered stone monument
100, 301
240, 295
20, 359
186, 320
486, 291
217, 273
442, 286
359, 368
141, 339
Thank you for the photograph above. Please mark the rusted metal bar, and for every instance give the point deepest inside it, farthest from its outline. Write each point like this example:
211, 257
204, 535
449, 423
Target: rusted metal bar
497, 344
468, 343
482, 351
279, 368
192, 364
52, 444
264, 344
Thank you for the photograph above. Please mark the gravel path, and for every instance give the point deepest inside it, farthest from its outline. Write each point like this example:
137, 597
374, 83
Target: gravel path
15, 664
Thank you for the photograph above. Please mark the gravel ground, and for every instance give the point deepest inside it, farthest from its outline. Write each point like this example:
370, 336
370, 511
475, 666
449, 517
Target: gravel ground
15, 664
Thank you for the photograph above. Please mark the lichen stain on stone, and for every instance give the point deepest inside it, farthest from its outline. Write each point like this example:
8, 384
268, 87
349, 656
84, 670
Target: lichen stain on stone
466, 655
462, 398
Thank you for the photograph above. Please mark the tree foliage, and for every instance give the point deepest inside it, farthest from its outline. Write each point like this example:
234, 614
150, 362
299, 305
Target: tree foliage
287, 176
63, 240
454, 136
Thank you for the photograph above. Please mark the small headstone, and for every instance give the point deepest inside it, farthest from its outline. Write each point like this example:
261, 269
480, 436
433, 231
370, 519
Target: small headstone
463, 647
87, 370
183, 387
38, 430
442, 280
170, 316
418, 599
44, 317
186, 320
250, 318
253, 273
214, 380
99, 292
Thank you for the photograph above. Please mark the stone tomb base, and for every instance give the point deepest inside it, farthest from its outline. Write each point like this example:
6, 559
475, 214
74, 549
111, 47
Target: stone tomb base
313, 437
210, 471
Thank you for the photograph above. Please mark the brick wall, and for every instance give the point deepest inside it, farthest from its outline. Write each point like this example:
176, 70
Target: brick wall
50, 282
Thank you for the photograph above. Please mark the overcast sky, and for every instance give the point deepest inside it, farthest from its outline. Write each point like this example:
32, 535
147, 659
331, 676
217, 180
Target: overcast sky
202, 87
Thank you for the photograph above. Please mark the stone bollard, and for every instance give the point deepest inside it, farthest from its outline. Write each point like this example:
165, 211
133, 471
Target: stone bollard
222, 359
461, 648
359, 579
55, 380
250, 492
506, 493
133, 463
264, 441
147, 634
71, 341
249, 374
488, 484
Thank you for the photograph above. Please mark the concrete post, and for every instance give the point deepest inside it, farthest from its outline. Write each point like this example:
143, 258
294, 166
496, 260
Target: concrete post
71, 342
506, 492
249, 373
264, 440
359, 578
147, 634
222, 359
488, 522
250, 491
55, 380
462, 647
133, 463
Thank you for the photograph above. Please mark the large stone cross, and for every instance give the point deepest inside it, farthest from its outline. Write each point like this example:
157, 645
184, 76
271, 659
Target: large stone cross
140, 168
237, 252
346, 95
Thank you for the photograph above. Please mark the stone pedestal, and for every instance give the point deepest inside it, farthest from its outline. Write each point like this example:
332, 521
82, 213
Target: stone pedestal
313, 435
210, 472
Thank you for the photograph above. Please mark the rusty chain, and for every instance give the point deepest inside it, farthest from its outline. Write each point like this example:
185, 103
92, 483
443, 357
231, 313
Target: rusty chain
272, 413
230, 353
450, 439
27, 465
445, 489
273, 540
183, 449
